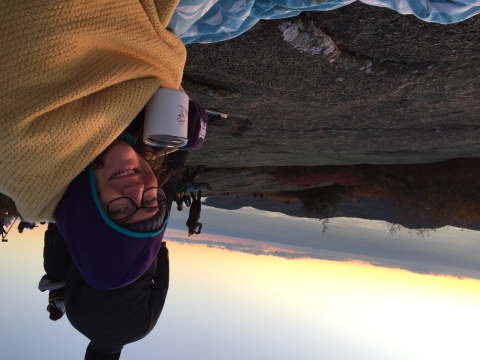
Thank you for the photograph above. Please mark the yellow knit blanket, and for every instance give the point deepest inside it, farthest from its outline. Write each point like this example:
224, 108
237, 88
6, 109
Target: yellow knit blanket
73, 75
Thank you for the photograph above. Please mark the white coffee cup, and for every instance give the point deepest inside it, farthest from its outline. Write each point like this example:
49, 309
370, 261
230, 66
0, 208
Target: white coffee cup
166, 119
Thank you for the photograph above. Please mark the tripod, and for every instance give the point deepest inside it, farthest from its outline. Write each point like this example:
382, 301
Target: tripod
5, 232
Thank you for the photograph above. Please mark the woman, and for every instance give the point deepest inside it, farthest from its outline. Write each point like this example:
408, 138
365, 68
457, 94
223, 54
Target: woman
74, 74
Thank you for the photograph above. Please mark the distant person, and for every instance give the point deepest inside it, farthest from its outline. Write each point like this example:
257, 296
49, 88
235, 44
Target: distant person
181, 198
194, 215
21, 226
258, 195
31, 226
109, 318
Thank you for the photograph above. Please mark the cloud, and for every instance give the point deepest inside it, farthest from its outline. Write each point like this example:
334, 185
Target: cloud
235, 244
449, 252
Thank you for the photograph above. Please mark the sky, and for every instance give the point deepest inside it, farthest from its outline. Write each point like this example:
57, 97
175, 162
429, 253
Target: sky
237, 293
449, 250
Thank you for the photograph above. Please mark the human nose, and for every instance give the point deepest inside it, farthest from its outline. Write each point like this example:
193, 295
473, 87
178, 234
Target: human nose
134, 192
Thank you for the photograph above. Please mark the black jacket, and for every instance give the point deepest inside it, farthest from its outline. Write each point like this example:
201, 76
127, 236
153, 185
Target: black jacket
114, 318
194, 213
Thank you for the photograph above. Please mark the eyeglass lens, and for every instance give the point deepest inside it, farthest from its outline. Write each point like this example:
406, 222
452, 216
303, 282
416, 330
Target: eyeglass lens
123, 207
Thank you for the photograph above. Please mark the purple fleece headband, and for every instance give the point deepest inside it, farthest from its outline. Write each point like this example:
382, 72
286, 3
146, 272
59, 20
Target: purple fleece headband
107, 255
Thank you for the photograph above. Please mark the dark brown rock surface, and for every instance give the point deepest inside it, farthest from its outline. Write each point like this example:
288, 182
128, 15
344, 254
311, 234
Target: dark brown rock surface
356, 85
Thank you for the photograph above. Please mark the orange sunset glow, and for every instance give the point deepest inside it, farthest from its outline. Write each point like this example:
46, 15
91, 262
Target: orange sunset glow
259, 248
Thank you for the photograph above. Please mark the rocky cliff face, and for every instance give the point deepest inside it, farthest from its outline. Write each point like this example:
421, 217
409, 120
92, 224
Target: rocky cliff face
356, 85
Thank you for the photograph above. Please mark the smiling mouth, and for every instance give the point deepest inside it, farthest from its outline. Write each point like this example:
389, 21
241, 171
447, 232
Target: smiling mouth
123, 173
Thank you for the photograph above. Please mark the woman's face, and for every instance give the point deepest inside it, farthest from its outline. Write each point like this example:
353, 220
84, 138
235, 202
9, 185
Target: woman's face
124, 173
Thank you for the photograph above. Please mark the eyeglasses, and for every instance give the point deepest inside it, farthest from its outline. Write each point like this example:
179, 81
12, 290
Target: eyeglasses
123, 207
